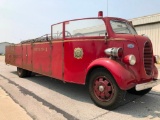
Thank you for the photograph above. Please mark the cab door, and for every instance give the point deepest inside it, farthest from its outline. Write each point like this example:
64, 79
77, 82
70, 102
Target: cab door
84, 42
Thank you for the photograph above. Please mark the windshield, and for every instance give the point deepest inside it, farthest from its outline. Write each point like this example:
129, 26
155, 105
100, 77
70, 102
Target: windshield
85, 28
79, 29
121, 27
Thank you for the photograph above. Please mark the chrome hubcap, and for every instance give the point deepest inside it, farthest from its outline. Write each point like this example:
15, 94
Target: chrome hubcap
101, 88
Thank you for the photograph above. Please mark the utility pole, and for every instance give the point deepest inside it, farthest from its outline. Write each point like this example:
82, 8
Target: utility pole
107, 8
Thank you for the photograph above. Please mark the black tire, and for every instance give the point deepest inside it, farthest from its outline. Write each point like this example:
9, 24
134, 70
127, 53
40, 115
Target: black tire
29, 73
141, 93
107, 86
21, 72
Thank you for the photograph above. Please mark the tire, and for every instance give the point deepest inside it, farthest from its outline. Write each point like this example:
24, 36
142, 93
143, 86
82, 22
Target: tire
104, 91
141, 93
29, 73
21, 72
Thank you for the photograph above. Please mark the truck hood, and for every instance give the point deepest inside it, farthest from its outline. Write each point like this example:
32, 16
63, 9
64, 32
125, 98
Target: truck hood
141, 47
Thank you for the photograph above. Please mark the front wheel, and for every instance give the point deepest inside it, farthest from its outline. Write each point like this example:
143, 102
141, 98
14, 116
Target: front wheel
103, 89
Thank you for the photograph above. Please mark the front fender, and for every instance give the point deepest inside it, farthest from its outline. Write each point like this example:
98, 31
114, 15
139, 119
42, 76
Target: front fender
124, 76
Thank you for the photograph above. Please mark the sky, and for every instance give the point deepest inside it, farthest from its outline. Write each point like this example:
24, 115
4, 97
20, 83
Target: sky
26, 19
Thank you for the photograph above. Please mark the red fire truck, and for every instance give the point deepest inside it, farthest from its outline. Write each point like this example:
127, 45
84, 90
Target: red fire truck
104, 53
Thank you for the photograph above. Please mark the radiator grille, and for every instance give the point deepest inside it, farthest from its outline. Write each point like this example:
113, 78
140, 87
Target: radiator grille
148, 58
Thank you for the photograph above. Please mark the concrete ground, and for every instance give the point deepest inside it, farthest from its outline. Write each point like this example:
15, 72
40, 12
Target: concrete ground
9, 109
41, 98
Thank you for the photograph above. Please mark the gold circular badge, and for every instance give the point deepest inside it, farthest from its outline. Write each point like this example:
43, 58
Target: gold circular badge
78, 53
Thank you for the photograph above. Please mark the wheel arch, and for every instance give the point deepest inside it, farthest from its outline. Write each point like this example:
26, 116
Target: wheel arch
103, 89
124, 78
94, 68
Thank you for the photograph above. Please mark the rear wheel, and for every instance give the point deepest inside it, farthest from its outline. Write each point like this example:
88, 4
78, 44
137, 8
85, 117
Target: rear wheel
142, 92
29, 73
103, 89
21, 72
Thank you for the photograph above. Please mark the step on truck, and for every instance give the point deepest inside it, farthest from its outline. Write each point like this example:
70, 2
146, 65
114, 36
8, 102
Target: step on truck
104, 53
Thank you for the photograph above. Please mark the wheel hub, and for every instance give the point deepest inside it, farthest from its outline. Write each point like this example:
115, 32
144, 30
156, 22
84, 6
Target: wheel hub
101, 88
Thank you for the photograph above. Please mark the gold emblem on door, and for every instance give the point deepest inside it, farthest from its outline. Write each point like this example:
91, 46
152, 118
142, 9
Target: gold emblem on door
78, 53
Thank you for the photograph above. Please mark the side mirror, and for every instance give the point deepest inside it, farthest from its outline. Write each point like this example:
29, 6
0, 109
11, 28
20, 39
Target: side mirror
131, 23
144, 35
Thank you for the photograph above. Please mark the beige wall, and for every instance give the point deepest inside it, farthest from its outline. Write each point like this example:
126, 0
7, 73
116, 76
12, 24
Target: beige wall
153, 32
150, 26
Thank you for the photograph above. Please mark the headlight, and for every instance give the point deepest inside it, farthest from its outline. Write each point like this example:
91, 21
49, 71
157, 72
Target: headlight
116, 52
157, 59
130, 59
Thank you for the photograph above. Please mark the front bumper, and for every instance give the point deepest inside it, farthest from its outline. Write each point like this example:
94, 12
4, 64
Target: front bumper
147, 85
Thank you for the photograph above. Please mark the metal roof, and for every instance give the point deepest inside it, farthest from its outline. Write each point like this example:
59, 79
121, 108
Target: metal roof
4, 42
150, 19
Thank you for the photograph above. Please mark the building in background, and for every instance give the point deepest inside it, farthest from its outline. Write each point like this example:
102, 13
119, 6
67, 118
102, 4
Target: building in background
2, 47
150, 26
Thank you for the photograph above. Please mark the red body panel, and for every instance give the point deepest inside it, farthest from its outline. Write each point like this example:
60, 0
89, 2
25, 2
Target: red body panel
9, 55
18, 55
57, 56
27, 57
42, 59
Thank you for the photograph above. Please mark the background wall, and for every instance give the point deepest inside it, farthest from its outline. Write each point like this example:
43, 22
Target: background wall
150, 26
2, 47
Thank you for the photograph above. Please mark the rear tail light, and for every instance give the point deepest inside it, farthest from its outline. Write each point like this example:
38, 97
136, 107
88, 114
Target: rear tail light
129, 59
115, 52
